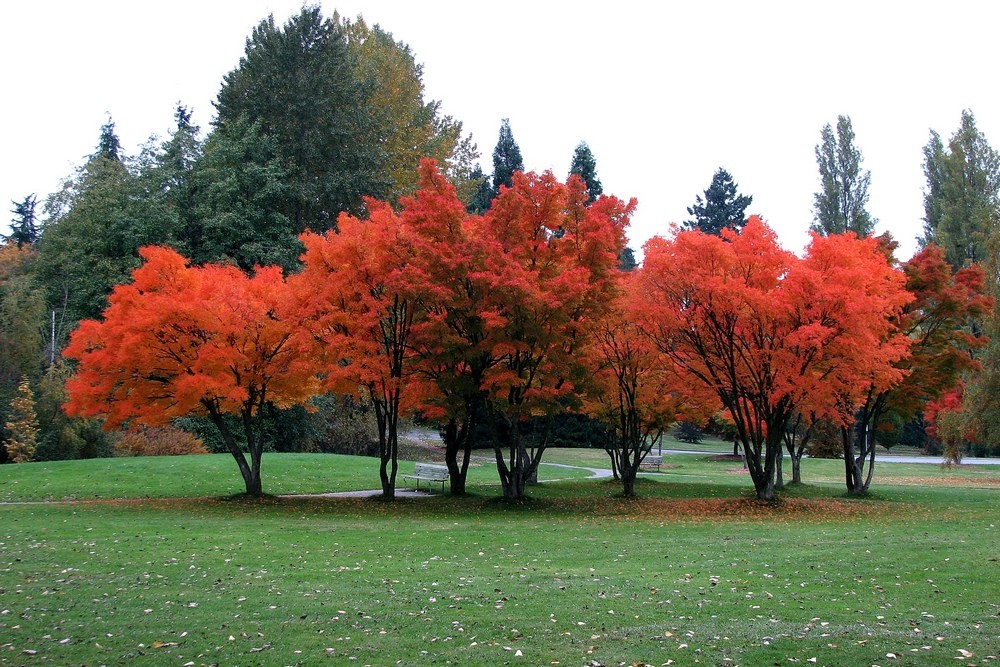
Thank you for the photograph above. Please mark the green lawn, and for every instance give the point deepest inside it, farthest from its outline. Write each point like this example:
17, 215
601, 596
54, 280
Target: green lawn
693, 572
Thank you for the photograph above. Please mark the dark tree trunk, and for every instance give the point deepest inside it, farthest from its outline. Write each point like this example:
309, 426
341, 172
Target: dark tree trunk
628, 483
763, 473
254, 485
612, 453
796, 469
250, 471
458, 440
859, 454
779, 471
523, 463
387, 418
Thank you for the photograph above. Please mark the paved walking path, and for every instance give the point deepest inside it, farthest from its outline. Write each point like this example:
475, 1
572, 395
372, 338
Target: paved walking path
879, 458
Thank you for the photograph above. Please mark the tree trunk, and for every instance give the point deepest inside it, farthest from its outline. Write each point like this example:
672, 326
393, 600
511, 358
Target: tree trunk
859, 450
458, 439
249, 471
628, 484
254, 485
454, 439
797, 467
387, 418
523, 464
779, 482
612, 452
763, 476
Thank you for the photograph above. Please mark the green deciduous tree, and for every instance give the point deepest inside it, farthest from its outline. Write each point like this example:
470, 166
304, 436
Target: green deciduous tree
91, 234
22, 318
963, 193
404, 124
840, 205
722, 208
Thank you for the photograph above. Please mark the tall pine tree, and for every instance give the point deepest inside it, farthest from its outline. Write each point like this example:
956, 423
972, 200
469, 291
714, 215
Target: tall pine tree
24, 224
506, 159
721, 208
585, 166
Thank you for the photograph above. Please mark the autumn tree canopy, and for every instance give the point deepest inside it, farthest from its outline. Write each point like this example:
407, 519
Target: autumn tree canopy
769, 332
554, 259
361, 311
182, 340
636, 391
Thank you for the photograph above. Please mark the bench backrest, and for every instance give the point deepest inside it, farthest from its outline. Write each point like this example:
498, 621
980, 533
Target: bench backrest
430, 470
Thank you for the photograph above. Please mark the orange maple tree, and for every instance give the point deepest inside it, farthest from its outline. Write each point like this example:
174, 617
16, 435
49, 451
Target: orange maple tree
362, 313
938, 324
455, 345
182, 340
771, 333
553, 259
502, 305
634, 389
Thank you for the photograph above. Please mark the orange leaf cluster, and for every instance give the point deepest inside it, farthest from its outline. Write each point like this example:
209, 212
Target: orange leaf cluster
771, 333
182, 339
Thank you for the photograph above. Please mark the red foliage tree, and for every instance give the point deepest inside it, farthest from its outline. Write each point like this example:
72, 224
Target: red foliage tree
949, 425
183, 340
504, 302
770, 333
458, 331
634, 389
362, 306
937, 323
553, 259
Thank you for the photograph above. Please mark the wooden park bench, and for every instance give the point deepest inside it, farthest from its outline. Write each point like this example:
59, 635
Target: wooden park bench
651, 462
428, 472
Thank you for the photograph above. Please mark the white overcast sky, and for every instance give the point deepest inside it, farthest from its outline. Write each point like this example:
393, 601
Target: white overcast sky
664, 92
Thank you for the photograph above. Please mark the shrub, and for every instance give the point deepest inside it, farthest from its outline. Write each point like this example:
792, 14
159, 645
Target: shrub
826, 441
23, 425
688, 432
348, 427
159, 441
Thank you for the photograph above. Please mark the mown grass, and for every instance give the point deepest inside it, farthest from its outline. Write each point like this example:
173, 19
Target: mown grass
693, 572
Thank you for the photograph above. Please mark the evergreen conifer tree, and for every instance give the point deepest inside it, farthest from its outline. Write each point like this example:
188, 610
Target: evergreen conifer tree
721, 207
585, 166
24, 225
506, 159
